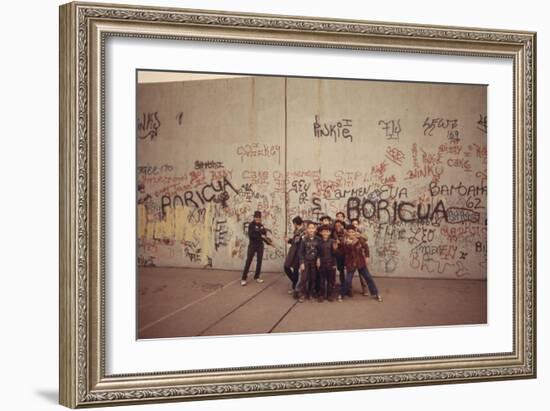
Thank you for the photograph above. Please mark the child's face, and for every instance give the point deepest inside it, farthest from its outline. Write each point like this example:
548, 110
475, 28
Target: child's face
355, 223
257, 220
339, 217
311, 230
352, 234
338, 226
325, 234
325, 221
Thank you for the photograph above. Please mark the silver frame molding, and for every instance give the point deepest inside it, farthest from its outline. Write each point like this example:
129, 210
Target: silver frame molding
84, 27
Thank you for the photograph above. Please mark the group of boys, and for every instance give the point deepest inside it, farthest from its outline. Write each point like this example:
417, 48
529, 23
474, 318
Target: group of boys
316, 252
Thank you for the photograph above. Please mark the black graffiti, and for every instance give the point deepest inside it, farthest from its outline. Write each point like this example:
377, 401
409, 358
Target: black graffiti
460, 189
146, 261
387, 233
220, 234
201, 165
148, 125
481, 247
384, 192
192, 251
431, 124
316, 210
213, 192
444, 251
453, 135
392, 128
421, 235
482, 123
179, 117
392, 212
461, 215
340, 129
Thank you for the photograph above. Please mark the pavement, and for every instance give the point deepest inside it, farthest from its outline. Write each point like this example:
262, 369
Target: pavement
183, 302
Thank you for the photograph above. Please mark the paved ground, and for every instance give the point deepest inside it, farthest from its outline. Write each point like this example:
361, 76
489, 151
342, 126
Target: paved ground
178, 302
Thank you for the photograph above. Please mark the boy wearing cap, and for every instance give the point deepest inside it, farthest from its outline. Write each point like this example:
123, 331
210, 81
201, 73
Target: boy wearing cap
257, 233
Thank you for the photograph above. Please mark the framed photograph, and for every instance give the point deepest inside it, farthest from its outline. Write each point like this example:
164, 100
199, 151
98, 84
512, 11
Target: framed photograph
260, 204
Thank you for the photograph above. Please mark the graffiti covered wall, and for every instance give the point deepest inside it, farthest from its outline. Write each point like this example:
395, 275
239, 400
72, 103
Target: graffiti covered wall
408, 159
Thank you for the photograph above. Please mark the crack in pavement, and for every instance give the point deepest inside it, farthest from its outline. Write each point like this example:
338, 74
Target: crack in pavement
186, 306
283, 316
239, 306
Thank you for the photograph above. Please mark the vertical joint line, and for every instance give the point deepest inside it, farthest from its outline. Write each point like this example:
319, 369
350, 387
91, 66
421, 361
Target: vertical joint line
286, 163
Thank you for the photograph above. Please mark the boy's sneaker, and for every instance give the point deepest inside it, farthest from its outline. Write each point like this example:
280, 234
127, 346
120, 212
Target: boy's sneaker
340, 299
378, 298
259, 280
291, 291
366, 293
301, 299
243, 282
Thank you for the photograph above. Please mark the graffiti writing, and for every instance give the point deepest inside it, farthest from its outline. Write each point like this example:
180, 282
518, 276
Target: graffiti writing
148, 125
259, 150
336, 130
392, 128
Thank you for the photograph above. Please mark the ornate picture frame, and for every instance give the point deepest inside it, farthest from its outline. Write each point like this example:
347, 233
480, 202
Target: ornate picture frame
84, 29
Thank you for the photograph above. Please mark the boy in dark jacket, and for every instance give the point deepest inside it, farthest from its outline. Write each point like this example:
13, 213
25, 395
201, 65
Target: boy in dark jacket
356, 254
339, 234
292, 261
257, 234
309, 262
327, 267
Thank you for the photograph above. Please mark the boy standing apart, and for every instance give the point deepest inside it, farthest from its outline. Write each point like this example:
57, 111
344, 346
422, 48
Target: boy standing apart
327, 268
356, 254
256, 234
309, 262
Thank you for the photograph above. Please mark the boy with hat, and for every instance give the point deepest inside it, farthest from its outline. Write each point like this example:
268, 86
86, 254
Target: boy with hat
257, 234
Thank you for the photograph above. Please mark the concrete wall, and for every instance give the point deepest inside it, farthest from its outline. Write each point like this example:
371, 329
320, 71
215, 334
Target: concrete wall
409, 159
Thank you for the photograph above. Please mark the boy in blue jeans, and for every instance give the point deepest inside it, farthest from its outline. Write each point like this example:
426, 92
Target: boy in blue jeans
356, 255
